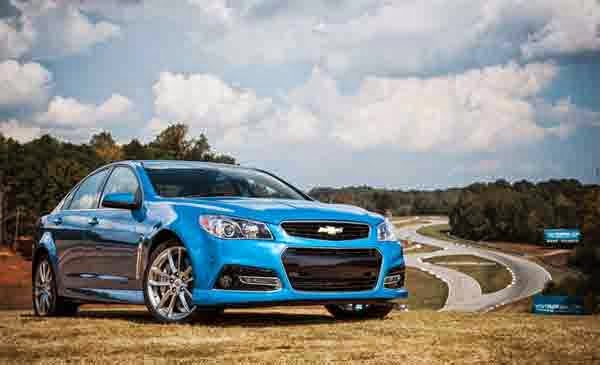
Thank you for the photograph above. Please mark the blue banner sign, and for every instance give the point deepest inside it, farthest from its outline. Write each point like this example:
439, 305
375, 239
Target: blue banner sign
552, 304
552, 236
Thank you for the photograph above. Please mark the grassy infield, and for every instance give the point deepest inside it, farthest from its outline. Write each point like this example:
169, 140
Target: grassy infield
305, 335
492, 277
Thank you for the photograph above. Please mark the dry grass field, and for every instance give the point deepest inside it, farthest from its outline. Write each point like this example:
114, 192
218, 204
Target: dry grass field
298, 336
292, 335
425, 290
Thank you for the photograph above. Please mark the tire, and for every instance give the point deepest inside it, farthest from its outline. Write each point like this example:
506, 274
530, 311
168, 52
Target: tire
359, 311
168, 282
45, 299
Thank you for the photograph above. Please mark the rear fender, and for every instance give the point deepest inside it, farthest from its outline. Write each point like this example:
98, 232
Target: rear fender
47, 246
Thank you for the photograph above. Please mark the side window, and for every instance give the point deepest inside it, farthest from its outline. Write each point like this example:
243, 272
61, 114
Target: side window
122, 180
87, 195
64, 203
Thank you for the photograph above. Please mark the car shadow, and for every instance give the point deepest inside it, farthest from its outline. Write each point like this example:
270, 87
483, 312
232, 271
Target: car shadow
266, 319
233, 318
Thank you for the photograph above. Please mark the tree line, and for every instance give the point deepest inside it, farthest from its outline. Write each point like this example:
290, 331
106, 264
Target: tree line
395, 202
498, 210
520, 211
34, 176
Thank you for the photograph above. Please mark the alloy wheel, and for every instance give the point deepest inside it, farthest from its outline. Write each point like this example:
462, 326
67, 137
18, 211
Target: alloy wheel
169, 284
43, 290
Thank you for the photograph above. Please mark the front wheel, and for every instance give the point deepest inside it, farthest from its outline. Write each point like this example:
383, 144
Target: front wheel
359, 311
168, 282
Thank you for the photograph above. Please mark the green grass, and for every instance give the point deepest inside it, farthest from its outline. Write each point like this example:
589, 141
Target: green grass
491, 278
425, 290
300, 336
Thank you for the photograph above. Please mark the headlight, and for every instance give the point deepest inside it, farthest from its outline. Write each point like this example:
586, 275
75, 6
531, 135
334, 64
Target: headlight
234, 228
385, 231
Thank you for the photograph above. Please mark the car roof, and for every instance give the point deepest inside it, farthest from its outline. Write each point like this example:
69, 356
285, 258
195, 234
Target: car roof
174, 164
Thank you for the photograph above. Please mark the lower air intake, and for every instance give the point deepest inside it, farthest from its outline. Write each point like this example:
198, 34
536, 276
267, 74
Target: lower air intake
327, 270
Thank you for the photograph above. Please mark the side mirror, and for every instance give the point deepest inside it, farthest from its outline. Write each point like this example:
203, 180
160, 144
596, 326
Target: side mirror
121, 201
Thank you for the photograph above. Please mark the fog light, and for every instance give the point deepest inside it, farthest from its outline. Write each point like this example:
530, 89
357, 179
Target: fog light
272, 282
394, 278
247, 278
225, 281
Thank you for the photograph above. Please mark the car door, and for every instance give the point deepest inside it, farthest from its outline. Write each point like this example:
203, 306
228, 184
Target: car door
117, 234
70, 228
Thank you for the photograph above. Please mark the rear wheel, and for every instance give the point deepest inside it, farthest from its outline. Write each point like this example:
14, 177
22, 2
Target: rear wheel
359, 311
168, 283
46, 301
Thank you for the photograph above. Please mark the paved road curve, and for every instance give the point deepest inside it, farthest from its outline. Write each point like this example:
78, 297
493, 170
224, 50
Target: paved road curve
464, 292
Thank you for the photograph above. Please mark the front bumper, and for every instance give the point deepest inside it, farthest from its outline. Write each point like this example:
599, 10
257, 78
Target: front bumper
268, 255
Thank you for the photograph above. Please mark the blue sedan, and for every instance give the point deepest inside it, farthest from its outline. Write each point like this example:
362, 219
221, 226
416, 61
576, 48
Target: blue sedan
190, 238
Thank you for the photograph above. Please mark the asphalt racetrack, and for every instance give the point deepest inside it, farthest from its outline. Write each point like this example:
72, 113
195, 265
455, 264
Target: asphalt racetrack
464, 292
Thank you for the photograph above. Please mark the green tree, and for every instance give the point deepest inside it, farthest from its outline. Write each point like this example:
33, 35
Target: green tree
171, 143
591, 217
105, 146
134, 150
198, 149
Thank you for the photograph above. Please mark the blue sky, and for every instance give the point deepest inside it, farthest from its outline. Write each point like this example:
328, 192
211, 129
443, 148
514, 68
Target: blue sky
399, 94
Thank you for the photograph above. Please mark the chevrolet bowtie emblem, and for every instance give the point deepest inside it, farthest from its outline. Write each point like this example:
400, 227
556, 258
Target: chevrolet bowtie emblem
330, 230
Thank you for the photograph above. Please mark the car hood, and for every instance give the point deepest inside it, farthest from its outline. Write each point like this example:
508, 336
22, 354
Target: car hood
278, 210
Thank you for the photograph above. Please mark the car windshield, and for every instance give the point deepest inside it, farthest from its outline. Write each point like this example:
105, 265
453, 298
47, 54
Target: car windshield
219, 182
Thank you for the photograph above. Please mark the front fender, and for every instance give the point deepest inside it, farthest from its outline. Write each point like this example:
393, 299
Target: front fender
182, 223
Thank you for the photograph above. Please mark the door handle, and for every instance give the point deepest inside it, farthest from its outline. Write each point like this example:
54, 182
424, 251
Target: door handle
94, 221
58, 221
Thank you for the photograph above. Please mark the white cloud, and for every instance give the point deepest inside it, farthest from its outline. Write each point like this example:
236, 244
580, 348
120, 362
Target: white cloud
488, 109
46, 29
205, 101
72, 120
479, 110
69, 112
574, 26
23, 84
397, 37
285, 126
13, 42
233, 115
16, 130
218, 12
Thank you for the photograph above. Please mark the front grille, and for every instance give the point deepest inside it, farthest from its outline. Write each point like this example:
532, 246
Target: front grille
316, 269
329, 231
